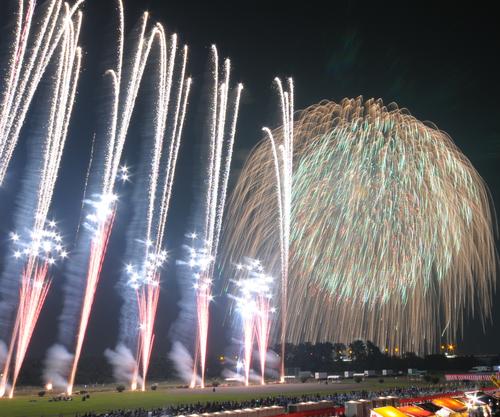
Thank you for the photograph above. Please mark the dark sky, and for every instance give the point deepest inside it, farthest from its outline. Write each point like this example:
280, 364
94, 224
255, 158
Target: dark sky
440, 62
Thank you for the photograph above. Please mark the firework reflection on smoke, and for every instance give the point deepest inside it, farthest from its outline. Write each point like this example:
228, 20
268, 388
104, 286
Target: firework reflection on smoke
392, 227
203, 249
253, 302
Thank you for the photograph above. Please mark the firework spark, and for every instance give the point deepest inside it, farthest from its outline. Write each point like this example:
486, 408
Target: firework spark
103, 220
39, 254
33, 50
145, 279
254, 305
45, 244
283, 165
125, 93
203, 251
100, 220
392, 227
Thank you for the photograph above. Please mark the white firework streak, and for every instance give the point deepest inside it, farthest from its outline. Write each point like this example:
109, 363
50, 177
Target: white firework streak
253, 302
35, 281
123, 108
221, 149
145, 280
27, 67
283, 163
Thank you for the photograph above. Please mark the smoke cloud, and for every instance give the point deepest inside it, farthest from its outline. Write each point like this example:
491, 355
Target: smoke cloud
57, 365
123, 362
3, 353
183, 362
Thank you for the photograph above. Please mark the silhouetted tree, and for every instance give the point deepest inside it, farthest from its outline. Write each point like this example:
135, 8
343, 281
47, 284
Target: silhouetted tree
372, 350
358, 350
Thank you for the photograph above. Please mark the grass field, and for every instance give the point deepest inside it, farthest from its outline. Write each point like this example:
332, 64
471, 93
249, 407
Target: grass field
33, 406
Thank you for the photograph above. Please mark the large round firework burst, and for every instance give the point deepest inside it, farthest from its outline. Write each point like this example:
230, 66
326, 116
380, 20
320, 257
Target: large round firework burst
392, 230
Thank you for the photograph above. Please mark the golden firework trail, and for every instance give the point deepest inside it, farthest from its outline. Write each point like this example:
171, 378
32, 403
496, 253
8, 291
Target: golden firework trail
44, 245
392, 230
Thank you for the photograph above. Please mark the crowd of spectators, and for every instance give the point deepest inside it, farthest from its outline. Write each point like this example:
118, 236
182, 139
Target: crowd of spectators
337, 398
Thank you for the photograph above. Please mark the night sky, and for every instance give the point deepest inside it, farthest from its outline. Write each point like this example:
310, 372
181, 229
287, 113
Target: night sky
439, 62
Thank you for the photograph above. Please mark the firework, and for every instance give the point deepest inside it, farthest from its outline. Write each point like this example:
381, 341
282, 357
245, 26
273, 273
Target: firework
100, 220
200, 262
38, 254
32, 51
391, 227
45, 244
203, 250
254, 305
145, 278
283, 166
246, 308
263, 320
